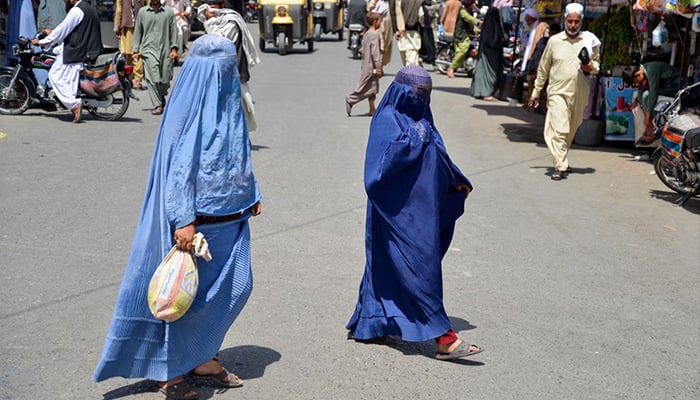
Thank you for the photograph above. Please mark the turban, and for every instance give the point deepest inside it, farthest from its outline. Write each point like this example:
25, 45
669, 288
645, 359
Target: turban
573, 8
532, 13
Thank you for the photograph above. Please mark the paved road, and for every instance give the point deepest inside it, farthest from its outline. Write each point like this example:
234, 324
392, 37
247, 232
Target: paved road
580, 289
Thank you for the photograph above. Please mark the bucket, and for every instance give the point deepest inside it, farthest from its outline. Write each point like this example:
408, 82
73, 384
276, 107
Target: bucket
590, 133
511, 87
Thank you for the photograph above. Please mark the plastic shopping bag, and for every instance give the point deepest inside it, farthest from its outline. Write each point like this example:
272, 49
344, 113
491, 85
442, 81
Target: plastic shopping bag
173, 286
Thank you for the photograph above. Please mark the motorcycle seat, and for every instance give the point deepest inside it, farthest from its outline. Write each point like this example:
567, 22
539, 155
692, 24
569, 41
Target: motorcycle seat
687, 125
692, 138
446, 38
356, 27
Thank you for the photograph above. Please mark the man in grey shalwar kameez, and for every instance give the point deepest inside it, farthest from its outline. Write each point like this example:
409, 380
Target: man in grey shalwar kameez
155, 39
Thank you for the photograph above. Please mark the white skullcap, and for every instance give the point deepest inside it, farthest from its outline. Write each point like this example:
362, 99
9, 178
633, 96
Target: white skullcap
573, 8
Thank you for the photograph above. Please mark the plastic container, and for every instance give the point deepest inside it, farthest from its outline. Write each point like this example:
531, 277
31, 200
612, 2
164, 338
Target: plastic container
590, 133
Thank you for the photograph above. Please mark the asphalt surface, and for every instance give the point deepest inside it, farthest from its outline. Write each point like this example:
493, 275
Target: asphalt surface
579, 289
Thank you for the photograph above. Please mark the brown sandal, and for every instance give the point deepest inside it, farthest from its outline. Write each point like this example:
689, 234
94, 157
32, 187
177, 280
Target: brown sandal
222, 379
178, 391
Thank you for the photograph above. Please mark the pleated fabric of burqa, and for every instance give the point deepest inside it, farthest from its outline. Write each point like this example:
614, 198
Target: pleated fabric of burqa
201, 166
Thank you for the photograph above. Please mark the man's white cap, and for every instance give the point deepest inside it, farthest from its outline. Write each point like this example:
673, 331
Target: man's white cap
573, 8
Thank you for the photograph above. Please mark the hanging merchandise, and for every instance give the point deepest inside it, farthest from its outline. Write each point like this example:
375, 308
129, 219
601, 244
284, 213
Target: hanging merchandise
696, 22
641, 18
653, 6
659, 36
681, 6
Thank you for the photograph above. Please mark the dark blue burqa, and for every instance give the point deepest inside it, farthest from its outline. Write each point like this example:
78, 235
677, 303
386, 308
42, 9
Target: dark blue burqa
412, 207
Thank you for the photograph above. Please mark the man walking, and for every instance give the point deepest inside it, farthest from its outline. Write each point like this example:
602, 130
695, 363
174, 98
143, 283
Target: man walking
567, 93
80, 34
228, 23
465, 26
155, 39
125, 13
409, 35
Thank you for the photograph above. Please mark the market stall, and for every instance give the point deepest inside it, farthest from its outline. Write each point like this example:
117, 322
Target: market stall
636, 33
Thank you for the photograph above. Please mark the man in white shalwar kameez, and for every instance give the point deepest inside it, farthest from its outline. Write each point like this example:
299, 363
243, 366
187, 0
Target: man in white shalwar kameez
79, 37
567, 93
409, 40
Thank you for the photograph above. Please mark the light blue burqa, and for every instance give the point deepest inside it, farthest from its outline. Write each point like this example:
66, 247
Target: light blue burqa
20, 22
201, 166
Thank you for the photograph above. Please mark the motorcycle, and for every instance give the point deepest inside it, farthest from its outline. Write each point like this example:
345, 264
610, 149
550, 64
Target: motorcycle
250, 13
677, 160
19, 88
356, 33
445, 53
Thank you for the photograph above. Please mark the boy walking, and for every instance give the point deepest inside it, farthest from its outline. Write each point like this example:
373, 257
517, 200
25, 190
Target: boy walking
368, 86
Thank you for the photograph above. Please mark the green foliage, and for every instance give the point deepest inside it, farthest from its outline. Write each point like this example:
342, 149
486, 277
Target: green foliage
619, 38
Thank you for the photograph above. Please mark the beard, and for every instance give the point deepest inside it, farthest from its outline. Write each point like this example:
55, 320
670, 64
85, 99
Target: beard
573, 32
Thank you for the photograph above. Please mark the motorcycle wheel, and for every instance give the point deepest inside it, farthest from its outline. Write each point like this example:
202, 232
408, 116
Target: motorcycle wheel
340, 35
310, 45
261, 44
120, 103
356, 53
282, 43
443, 55
671, 174
317, 31
16, 102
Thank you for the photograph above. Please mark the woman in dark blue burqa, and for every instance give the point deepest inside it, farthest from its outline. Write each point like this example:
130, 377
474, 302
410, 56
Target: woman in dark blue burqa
414, 196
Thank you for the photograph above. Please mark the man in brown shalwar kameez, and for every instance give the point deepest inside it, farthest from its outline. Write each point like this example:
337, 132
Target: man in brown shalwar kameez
368, 87
124, 22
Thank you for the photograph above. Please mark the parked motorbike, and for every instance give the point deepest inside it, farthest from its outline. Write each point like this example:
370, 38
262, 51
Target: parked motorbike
677, 160
445, 53
19, 88
356, 33
250, 12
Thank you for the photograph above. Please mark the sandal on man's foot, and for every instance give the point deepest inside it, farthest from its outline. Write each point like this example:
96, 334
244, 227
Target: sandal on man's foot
558, 175
179, 391
222, 379
461, 351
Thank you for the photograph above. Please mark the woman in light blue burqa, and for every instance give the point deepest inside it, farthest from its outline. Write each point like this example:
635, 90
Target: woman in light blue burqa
415, 194
201, 179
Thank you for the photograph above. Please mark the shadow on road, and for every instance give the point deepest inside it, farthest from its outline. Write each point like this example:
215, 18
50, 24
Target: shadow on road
453, 89
144, 386
692, 205
248, 362
256, 147
253, 359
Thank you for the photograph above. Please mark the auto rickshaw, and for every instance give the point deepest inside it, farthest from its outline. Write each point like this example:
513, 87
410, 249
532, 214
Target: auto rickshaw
328, 17
285, 22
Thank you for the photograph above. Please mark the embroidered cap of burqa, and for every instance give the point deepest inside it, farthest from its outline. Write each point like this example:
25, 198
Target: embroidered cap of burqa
412, 207
201, 166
